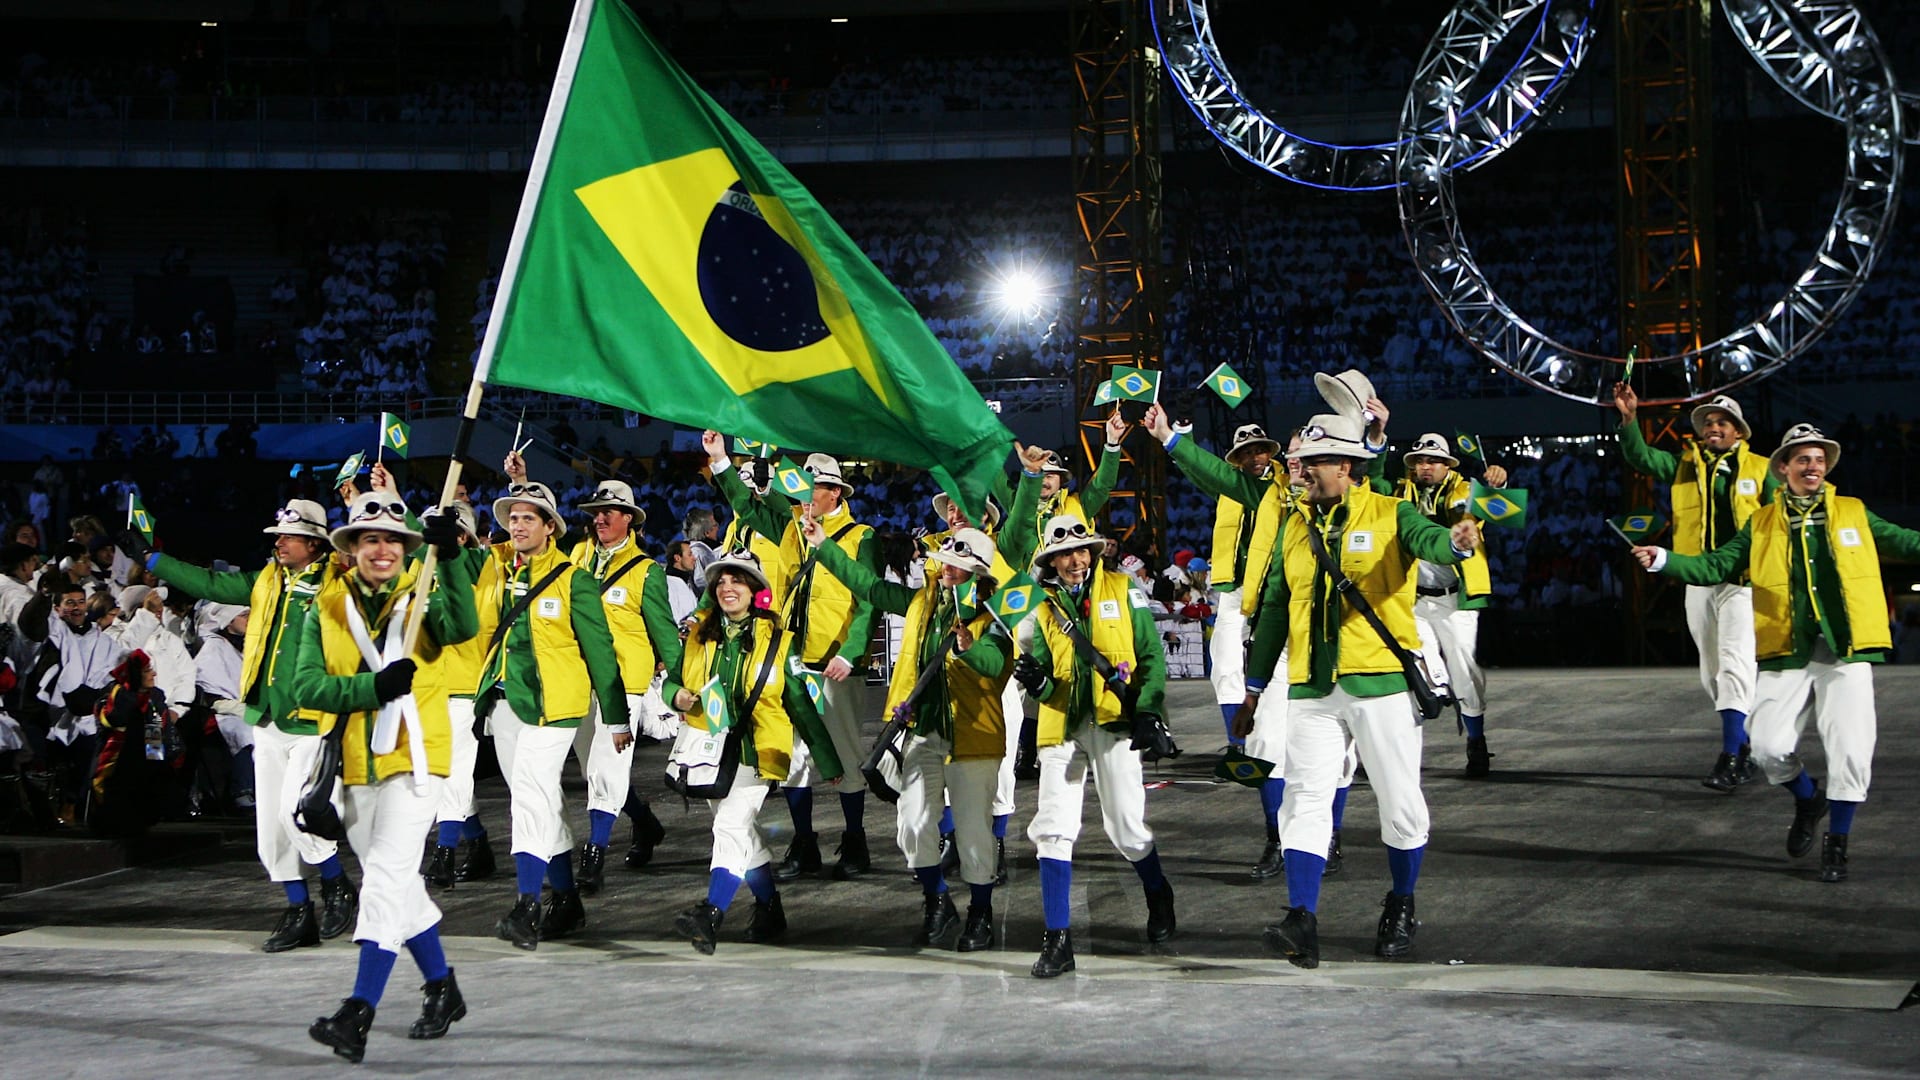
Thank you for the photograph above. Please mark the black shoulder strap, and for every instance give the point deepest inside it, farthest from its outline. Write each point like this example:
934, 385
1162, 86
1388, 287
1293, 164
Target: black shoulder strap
766, 670
620, 573
1084, 647
803, 588
520, 606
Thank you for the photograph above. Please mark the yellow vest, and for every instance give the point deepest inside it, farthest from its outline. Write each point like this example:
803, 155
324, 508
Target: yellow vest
772, 730
829, 603
979, 727
362, 766
260, 626
1454, 491
1229, 525
1378, 566
1273, 509
1063, 502
631, 642
464, 662
1856, 561
1111, 631
1693, 494
565, 688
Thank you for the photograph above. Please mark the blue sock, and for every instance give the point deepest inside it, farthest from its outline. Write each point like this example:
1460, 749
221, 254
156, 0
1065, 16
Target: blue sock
946, 821
1405, 864
1840, 817
600, 827
760, 882
932, 881
449, 834
800, 805
1303, 878
1340, 805
1476, 726
1226, 714
471, 829
296, 890
1000, 825
426, 950
1733, 730
529, 872
331, 868
1056, 892
853, 807
1148, 868
1802, 786
370, 981
721, 885
1272, 791
560, 872
980, 896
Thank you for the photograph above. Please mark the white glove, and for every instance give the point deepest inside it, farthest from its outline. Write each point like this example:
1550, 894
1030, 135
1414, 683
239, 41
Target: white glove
658, 723
227, 706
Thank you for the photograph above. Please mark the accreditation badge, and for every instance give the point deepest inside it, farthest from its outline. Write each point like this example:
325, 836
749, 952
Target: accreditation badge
1849, 537
1109, 609
549, 607
1360, 541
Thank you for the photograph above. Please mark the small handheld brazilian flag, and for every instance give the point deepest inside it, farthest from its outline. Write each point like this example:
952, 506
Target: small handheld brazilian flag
138, 518
1498, 506
1135, 384
350, 468
1103, 394
1468, 445
713, 705
1015, 600
966, 599
1240, 767
1639, 525
793, 481
812, 680
395, 434
1228, 384
754, 447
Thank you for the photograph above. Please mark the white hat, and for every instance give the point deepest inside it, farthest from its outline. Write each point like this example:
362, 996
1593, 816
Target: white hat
1335, 435
1249, 437
1056, 463
375, 511
1347, 393
615, 495
966, 549
1430, 445
739, 559
1725, 404
826, 470
538, 496
462, 513
1063, 533
1803, 435
215, 617
300, 517
133, 596
756, 473
942, 501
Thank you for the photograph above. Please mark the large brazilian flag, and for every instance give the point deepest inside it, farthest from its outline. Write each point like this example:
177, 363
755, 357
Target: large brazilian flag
666, 263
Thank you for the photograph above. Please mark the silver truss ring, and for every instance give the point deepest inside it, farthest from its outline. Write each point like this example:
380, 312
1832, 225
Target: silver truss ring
1862, 219
1485, 127
1763, 32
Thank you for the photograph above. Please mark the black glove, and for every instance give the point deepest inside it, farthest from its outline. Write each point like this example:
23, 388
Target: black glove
135, 545
393, 681
442, 530
1152, 738
1029, 674
80, 702
6, 638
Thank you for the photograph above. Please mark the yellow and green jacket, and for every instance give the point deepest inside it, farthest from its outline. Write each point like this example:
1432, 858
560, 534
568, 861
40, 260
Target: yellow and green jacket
638, 614
558, 655
1115, 617
744, 649
1236, 515
1712, 495
1027, 517
1444, 504
837, 622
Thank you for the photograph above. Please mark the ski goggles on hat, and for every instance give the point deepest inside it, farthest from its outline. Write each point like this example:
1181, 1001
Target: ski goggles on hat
1076, 531
376, 509
288, 516
607, 495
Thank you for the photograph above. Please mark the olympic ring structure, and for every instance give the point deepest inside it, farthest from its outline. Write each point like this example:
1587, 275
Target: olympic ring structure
1835, 47
1483, 128
1763, 31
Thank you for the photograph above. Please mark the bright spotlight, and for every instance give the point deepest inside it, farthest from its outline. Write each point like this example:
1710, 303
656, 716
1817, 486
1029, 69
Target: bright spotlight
1017, 292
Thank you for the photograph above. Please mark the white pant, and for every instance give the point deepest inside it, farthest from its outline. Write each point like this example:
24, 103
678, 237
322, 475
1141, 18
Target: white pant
842, 706
531, 757
456, 795
739, 843
1013, 708
235, 731
1117, 780
1227, 650
1720, 618
1268, 739
386, 824
1448, 637
609, 772
281, 763
1839, 697
928, 782
1383, 730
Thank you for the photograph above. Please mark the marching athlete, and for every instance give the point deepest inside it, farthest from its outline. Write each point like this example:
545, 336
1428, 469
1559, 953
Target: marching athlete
459, 815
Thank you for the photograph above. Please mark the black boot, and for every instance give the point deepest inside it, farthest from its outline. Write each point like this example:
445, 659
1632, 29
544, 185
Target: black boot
1833, 857
565, 914
854, 859
999, 860
1744, 770
1725, 775
978, 935
1479, 762
1026, 766
1335, 857
479, 864
1806, 817
803, 857
768, 922
440, 1005
1394, 939
440, 867
297, 929
346, 1030
647, 834
1056, 954
339, 906
1160, 919
1296, 937
949, 855
938, 919
701, 925
522, 924
592, 871
1273, 862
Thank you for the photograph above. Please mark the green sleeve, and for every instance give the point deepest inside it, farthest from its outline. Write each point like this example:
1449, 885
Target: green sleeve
451, 615
767, 515
228, 587
1270, 622
657, 612
1645, 459
806, 721
1100, 484
991, 652
1723, 564
1425, 540
1211, 474
860, 628
1377, 475
1893, 540
1770, 487
864, 583
1150, 663
313, 688
596, 648
1019, 535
